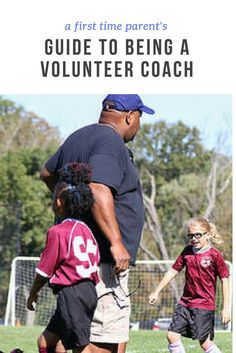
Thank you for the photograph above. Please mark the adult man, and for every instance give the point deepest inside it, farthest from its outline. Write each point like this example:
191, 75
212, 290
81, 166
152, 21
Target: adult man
117, 215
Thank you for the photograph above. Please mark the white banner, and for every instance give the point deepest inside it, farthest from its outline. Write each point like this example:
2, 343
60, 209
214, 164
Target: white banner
93, 47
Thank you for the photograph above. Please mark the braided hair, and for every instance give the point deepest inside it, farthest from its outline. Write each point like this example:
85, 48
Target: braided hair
75, 173
73, 189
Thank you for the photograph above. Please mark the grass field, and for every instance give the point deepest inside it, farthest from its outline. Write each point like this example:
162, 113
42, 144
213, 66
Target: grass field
140, 341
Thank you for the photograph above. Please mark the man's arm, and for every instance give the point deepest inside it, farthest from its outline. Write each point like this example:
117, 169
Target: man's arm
103, 212
48, 178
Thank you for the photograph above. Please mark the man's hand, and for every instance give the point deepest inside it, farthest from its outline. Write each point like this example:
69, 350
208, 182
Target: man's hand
121, 256
104, 214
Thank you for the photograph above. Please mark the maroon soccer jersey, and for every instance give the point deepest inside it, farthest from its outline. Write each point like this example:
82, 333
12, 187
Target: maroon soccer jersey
202, 270
70, 255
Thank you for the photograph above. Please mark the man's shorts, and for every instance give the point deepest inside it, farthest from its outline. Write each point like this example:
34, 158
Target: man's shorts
72, 318
193, 323
111, 318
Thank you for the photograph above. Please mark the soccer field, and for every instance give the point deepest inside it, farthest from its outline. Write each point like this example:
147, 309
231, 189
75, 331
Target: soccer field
140, 341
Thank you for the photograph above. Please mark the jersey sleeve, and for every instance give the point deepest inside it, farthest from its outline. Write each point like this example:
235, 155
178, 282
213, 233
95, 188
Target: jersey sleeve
221, 267
108, 162
49, 256
180, 262
53, 162
107, 170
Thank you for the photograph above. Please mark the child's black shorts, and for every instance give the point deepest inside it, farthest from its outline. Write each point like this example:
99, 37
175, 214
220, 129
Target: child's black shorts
193, 323
72, 318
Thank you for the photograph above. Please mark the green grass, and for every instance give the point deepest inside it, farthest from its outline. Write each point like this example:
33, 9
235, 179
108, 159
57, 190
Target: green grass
140, 341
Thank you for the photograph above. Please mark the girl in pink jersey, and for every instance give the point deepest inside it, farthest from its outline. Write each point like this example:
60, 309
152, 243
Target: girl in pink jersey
69, 263
194, 314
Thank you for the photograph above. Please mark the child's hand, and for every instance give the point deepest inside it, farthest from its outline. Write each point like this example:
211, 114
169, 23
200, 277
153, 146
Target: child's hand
153, 298
225, 316
32, 300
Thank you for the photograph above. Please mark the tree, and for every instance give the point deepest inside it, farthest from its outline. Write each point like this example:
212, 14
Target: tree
181, 179
26, 141
168, 151
21, 129
25, 209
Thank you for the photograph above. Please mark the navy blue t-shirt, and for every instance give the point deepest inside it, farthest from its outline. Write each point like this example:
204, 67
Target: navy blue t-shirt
104, 149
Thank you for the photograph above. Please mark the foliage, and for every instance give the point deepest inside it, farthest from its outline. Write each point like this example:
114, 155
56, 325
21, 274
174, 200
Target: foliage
26, 141
180, 180
169, 150
21, 129
25, 207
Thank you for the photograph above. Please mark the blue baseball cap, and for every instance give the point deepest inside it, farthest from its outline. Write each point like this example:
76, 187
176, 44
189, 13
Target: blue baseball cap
125, 102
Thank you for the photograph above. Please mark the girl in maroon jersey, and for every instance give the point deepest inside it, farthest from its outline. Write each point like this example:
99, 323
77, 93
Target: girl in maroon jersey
69, 263
194, 314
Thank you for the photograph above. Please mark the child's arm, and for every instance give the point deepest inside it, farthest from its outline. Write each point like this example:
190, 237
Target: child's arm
165, 280
39, 282
225, 314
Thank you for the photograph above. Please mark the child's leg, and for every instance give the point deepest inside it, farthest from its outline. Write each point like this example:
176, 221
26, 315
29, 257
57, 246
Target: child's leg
175, 344
209, 346
49, 342
60, 348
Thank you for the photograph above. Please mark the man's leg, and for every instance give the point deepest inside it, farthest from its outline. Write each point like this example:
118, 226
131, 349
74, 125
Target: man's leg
90, 348
96, 347
111, 318
122, 347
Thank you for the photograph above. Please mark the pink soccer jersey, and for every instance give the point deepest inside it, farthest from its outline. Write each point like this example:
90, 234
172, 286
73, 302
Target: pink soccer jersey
202, 270
71, 254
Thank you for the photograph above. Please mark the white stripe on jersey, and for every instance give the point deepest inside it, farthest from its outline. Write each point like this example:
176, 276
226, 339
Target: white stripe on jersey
41, 273
70, 236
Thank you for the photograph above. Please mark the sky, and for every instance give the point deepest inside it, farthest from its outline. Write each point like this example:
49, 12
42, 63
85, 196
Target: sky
211, 114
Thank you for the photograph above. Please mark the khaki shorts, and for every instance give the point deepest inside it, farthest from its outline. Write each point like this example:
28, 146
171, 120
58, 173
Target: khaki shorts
111, 318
